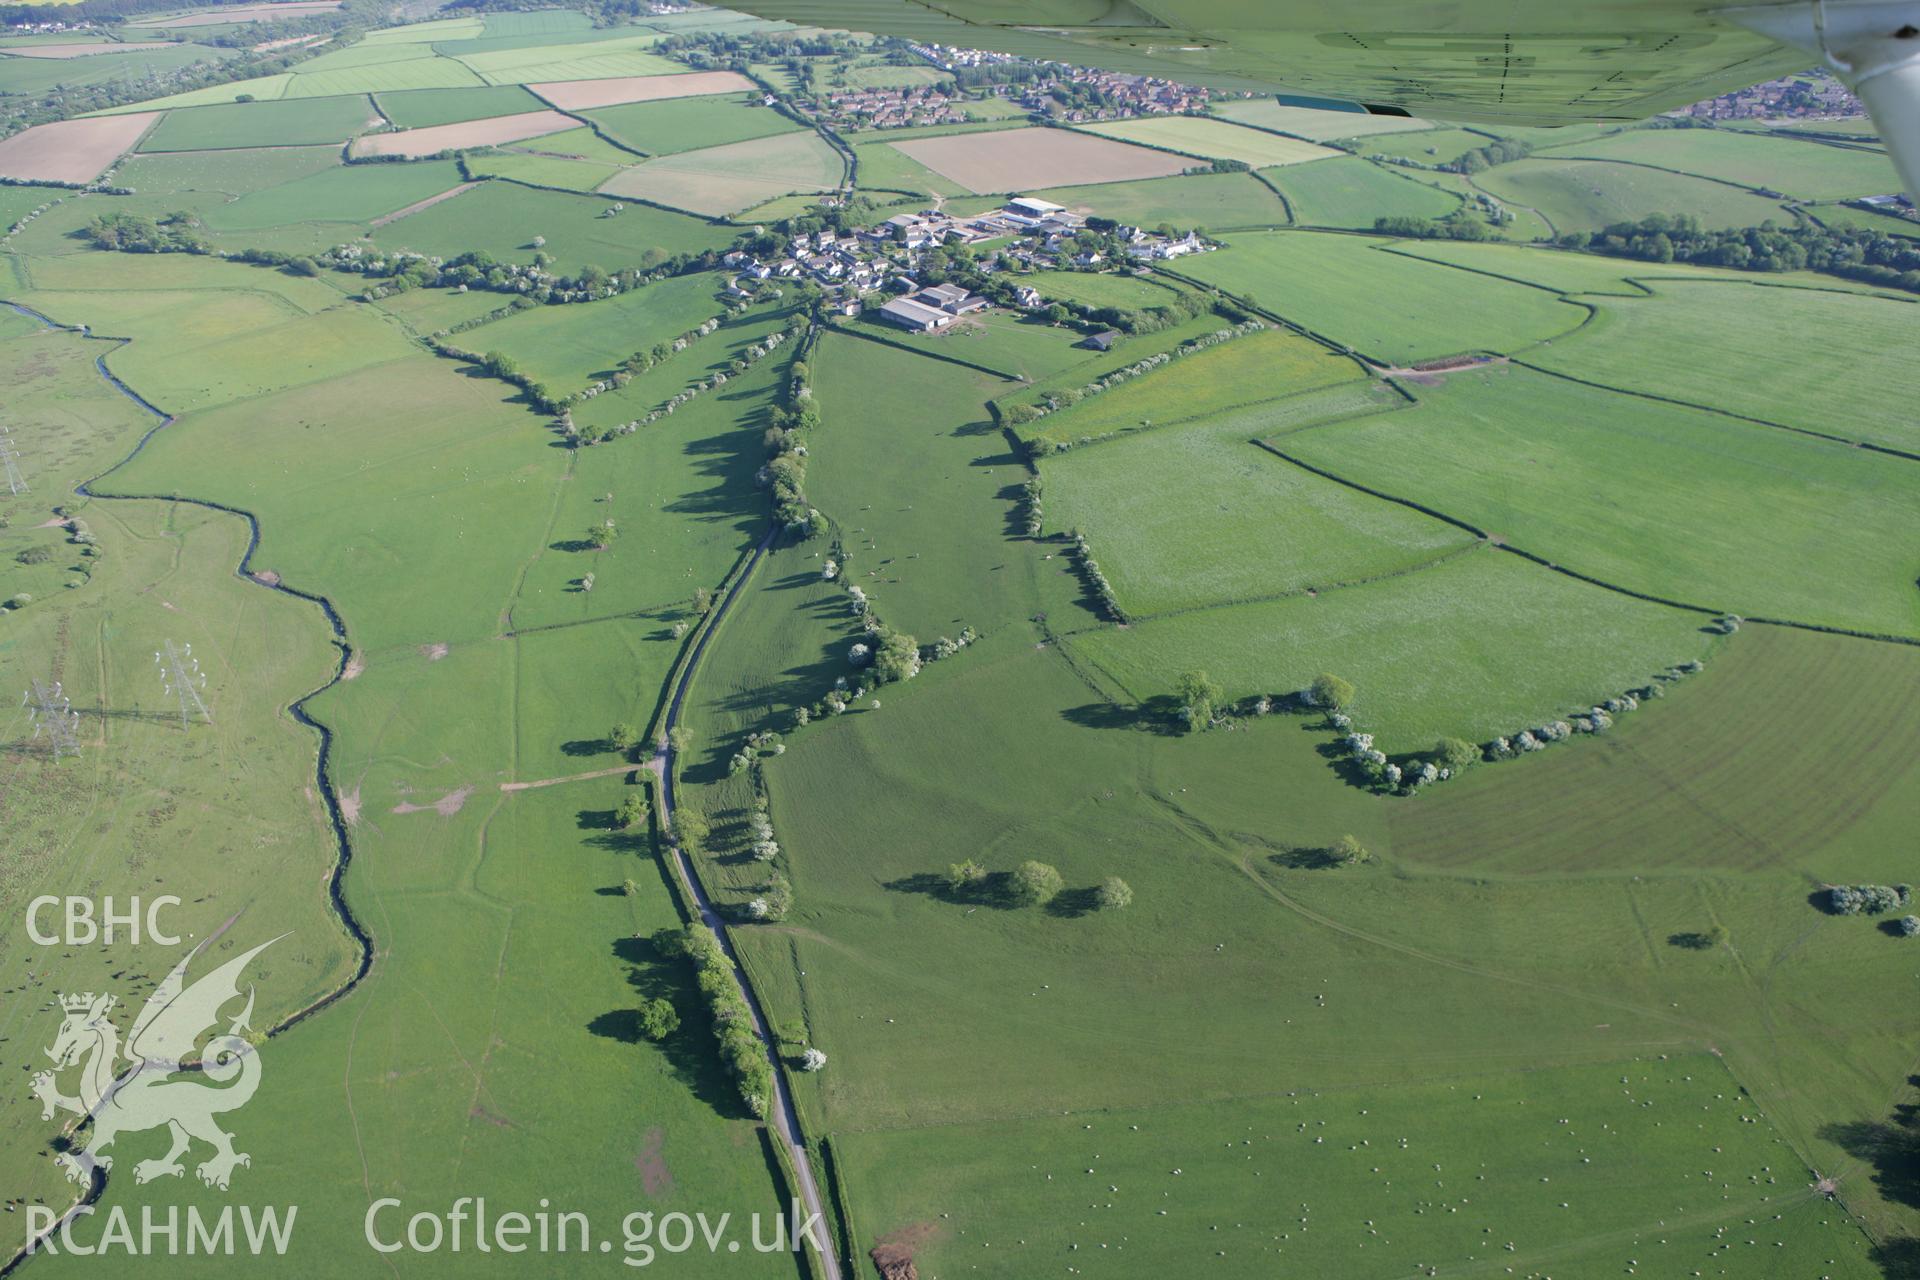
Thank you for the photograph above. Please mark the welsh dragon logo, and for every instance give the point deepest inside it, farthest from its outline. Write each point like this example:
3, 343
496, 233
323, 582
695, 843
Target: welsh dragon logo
152, 1090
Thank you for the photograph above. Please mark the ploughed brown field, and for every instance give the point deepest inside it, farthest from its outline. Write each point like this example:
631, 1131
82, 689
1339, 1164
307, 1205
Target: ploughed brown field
248, 13
1023, 159
584, 95
71, 150
467, 133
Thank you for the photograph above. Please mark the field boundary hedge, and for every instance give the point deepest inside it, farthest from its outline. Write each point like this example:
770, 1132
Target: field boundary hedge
1587, 578
852, 332
1889, 450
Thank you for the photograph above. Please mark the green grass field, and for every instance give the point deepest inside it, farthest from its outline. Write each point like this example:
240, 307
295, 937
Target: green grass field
1382, 306
1650, 497
1806, 170
1733, 748
567, 347
726, 179
1309, 122
1586, 195
260, 124
39, 75
1348, 192
1690, 342
886, 76
1103, 289
1212, 139
1428, 146
217, 814
423, 108
502, 218
557, 173
1469, 1172
1477, 646
1182, 517
1232, 374
687, 124
230, 173
1490, 1046
343, 193
1216, 201
884, 167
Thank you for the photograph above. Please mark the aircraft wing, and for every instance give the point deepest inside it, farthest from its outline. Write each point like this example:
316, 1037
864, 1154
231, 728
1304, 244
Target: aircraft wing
1538, 62
1529, 62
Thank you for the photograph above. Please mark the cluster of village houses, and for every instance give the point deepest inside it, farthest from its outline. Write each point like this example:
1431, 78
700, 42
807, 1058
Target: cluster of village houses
1037, 233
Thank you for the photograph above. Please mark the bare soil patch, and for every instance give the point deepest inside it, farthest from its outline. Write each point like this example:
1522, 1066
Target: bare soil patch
1024, 159
71, 150
446, 806
893, 1253
81, 50
467, 133
583, 95
433, 652
655, 1178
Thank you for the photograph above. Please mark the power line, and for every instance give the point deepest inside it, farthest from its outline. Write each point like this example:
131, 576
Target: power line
10, 458
53, 717
181, 679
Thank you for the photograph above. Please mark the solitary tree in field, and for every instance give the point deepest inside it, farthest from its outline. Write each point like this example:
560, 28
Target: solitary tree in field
702, 601
1198, 694
1331, 692
623, 736
631, 813
1035, 884
658, 1019
1115, 894
600, 535
1347, 851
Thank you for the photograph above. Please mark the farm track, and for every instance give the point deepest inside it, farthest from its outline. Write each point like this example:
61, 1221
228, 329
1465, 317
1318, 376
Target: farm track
336, 817
785, 1116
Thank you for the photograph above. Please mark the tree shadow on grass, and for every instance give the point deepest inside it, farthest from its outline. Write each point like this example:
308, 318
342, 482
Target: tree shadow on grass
995, 890
1071, 904
596, 820
571, 544
586, 747
692, 1051
1890, 1147
1156, 716
1307, 858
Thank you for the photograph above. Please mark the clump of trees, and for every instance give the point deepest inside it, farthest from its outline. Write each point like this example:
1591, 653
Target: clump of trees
1867, 899
631, 812
1499, 151
1462, 224
740, 1048
1852, 253
134, 233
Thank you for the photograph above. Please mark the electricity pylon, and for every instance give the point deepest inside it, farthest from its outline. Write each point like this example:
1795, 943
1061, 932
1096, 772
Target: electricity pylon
181, 679
10, 459
54, 718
